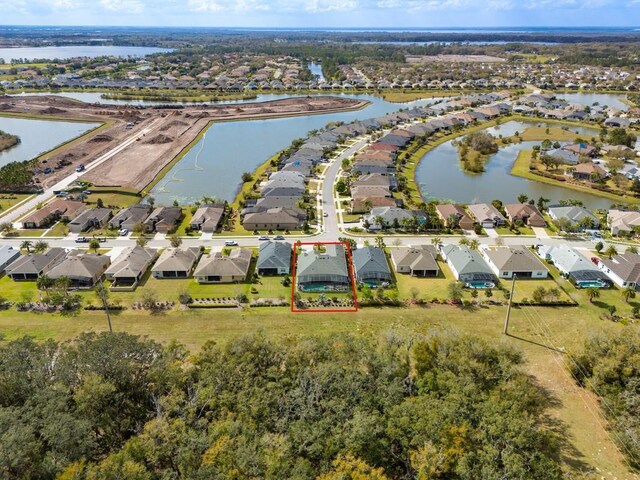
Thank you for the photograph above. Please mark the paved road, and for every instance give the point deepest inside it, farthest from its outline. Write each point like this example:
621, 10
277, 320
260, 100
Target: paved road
26, 207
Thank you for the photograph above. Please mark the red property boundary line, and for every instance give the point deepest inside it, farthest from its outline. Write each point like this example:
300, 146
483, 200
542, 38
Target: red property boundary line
347, 248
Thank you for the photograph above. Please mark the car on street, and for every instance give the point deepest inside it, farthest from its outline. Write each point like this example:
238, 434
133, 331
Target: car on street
278, 237
123, 232
80, 168
263, 237
325, 214
82, 240
230, 243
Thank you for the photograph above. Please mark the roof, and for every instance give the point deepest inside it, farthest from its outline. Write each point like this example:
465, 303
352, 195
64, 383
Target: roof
99, 214
80, 265
177, 259
573, 213
566, 258
588, 168
59, 206
623, 220
279, 215
132, 262
513, 259
208, 216
330, 262
485, 211
8, 254
135, 213
521, 210
626, 266
422, 257
465, 260
368, 260
35, 263
216, 264
274, 255
170, 215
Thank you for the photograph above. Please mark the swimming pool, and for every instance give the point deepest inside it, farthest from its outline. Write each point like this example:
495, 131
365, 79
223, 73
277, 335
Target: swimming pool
479, 285
592, 284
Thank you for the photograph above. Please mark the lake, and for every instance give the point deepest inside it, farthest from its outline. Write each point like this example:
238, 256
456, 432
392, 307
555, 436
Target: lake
214, 165
440, 175
608, 99
38, 136
73, 51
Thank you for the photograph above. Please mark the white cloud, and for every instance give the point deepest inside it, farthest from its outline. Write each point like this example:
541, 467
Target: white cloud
123, 6
318, 6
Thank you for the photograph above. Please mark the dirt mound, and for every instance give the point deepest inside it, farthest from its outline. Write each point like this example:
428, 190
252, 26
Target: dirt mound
53, 110
101, 139
160, 139
175, 123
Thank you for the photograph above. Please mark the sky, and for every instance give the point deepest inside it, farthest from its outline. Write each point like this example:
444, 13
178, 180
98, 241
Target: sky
323, 13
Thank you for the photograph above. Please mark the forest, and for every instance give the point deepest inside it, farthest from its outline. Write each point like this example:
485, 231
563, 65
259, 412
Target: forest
116, 406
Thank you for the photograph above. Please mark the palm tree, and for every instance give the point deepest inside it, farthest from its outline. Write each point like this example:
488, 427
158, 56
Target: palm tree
522, 198
629, 293
592, 294
436, 241
175, 241
40, 246
610, 251
632, 249
378, 220
473, 244
94, 245
463, 241
380, 242
142, 241
26, 245
63, 283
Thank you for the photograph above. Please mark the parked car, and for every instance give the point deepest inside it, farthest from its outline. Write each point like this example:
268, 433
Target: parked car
82, 240
278, 237
80, 168
123, 232
325, 214
263, 237
230, 243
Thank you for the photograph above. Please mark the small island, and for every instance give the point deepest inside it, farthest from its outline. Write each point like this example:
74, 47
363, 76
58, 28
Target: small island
474, 149
7, 141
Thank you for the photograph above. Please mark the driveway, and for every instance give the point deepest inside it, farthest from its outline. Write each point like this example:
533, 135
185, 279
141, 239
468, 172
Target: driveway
540, 232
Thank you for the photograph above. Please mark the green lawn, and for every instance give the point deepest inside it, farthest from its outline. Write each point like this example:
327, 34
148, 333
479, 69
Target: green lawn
8, 200
58, 230
112, 198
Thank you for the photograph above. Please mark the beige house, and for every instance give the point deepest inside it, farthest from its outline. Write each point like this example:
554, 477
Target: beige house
176, 262
528, 214
217, 268
59, 209
454, 216
84, 269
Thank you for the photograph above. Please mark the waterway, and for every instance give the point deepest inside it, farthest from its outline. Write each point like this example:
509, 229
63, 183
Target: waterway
440, 175
603, 99
73, 51
316, 69
214, 165
38, 136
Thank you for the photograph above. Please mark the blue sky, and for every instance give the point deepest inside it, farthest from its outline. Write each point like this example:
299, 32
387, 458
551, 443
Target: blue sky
323, 13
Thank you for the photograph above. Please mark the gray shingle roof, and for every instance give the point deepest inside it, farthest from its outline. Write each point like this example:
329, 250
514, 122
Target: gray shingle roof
274, 255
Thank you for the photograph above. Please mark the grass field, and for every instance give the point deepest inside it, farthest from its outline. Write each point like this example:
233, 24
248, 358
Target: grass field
9, 200
410, 96
538, 134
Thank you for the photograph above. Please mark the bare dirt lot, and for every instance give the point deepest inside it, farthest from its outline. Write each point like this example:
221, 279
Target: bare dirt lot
162, 133
453, 59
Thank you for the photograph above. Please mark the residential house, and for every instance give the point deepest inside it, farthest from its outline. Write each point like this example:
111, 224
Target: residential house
468, 266
7, 256
130, 217
90, 219
418, 261
487, 215
176, 262
274, 258
284, 186
371, 266
129, 267
581, 149
163, 219
219, 268
376, 180
588, 171
623, 269
365, 197
578, 217
509, 261
575, 266
33, 265
59, 209
275, 219
525, 213
207, 218
322, 269
84, 269
623, 222
367, 165
392, 217
454, 216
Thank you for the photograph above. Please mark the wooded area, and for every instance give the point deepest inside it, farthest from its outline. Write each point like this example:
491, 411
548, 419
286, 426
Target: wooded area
109, 406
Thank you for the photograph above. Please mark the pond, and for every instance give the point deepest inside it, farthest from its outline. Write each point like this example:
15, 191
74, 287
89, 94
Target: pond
38, 136
316, 69
72, 51
214, 165
608, 99
440, 175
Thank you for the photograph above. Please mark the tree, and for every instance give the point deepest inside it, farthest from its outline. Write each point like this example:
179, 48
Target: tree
175, 241
436, 241
247, 177
542, 203
6, 228
99, 203
349, 467
592, 293
611, 251
488, 293
455, 292
26, 245
629, 293
40, 246
599, 247
380, 241
473, 244
522, 198
142, 241
94, 244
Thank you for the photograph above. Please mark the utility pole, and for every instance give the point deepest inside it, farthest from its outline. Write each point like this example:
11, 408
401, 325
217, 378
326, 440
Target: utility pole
506, 320
105, 304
